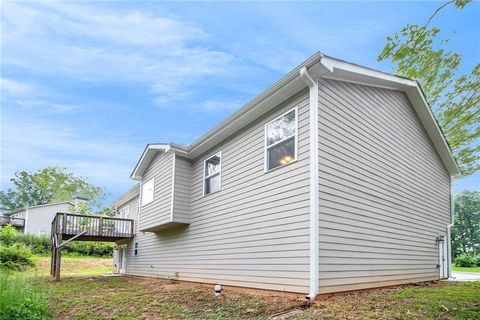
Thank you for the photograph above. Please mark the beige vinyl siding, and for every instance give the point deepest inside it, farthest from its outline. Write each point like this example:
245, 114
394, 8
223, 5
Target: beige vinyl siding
384, 192
132, 214
183, 189
132, 211
254, 232
158, 211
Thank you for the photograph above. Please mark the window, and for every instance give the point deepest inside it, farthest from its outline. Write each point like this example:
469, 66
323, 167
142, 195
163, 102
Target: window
124, 212
147, 191
135, 249
212, 174
281, 140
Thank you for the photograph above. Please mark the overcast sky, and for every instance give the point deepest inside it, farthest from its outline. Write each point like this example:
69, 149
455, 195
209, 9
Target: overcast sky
86, 85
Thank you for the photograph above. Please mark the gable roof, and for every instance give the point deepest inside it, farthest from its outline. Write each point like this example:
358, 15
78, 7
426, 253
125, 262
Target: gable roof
127, 196
318, 65
38, 206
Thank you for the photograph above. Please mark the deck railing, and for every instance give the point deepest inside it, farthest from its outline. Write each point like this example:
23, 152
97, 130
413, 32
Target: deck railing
16, 222
94, 226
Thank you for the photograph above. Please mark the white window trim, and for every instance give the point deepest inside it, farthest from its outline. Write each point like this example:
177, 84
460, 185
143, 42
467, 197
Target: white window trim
218, 154
267, 147
153, 195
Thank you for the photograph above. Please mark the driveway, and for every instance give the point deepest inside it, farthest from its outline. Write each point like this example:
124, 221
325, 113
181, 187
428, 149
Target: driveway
465, 276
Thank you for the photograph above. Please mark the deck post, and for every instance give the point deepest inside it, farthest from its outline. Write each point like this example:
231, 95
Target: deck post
58, 258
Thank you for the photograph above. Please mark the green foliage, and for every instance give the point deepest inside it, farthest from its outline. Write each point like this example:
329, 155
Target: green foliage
7, 235
417, 53
86, 209
465, 260
466, 231
15, 257
19, 300
48, 185
87, 248
40, 245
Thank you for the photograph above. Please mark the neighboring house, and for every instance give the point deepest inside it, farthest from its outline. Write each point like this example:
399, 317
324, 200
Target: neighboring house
38, 219
335, 178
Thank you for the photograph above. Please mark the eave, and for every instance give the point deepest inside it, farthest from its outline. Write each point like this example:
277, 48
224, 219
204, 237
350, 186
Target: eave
318, 66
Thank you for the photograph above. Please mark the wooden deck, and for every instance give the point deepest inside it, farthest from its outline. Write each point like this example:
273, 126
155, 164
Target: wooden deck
67, 227
15, 222
91, 228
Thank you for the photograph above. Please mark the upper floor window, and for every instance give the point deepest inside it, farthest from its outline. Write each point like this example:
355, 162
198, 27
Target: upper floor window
124, 211
212, 174
281, 140
148, 191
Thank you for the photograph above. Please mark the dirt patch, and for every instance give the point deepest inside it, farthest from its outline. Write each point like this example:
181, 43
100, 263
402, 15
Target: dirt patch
150, 298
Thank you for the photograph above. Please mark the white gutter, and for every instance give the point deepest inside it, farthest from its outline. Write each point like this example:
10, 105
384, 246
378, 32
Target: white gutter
449, 228
314, 180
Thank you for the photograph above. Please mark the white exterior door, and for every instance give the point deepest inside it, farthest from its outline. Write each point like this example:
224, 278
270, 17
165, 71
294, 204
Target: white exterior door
442, 259
122, 259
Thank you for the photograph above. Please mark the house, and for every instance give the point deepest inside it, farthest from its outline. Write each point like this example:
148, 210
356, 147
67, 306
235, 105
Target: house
38, 219
335, 178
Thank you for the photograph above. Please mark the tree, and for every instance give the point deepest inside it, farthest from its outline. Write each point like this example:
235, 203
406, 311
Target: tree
48, 185
417, 53
466, 231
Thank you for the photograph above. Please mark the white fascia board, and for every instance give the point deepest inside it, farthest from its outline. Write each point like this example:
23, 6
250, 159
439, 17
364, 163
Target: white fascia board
344, 71
318, 66
127, 196
425, 114
262, 103
145, 159
363, 73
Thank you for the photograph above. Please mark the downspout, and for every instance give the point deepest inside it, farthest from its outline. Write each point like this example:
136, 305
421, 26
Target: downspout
314, 180
449, 228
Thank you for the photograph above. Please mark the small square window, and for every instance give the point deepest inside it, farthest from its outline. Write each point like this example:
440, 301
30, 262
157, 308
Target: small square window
135, 249
212, 174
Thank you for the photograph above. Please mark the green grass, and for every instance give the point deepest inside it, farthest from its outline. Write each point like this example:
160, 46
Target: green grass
73, 266
82, 294
463, 269
442, 300
19, 299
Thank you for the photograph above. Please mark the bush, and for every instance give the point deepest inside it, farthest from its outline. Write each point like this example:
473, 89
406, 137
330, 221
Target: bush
19, 300
466, 261
41, 245
7, 235
37, 244
15, 257
97, 249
